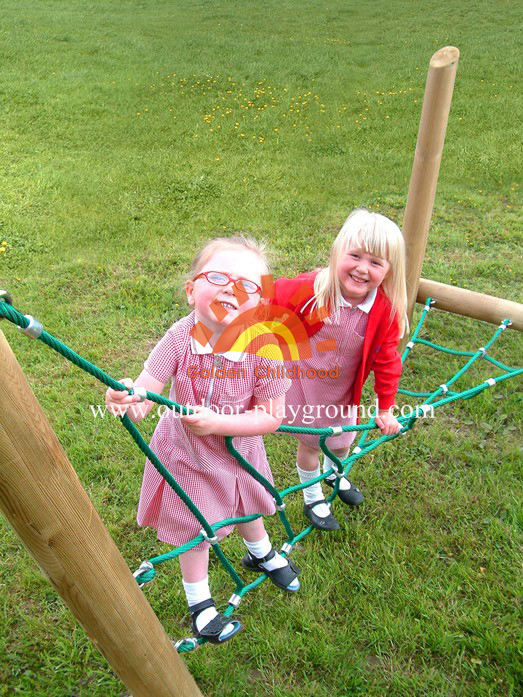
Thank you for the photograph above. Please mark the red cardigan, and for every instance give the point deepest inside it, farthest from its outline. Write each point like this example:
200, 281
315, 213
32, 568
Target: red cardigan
379, 346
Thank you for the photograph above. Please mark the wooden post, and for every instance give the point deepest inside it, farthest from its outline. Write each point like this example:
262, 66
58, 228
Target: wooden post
469, 303
47, 506
427, 159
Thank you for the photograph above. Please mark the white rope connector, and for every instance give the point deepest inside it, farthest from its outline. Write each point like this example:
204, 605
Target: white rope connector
8, 298
336, 430
356, 450
504, 326
142, 569
482, 350
235, 600
410, 345
278, 507
183, 642
425, 409
490, 382
286, 548
211, 540
339, 475
33, 329
140, 391
444, 388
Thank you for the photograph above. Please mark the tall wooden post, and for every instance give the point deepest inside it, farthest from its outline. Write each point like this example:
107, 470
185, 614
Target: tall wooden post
47, 506
427, 159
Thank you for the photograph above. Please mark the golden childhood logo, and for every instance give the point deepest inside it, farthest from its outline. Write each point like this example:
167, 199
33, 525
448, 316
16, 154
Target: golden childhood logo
268, 330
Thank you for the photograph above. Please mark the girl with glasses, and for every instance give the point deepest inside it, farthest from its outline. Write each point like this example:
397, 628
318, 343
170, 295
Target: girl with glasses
228, 399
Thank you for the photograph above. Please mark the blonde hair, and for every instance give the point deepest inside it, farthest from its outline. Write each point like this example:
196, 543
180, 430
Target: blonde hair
236, 243
379, 236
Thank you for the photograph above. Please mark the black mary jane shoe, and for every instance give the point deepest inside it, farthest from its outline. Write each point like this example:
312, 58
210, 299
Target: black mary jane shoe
352, 497
281, 577
213, 630
327, 524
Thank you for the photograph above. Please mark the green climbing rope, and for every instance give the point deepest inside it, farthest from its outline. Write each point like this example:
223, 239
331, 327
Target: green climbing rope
433, 400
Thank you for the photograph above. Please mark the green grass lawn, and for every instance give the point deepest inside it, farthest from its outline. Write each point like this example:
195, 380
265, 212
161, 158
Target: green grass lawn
133, 131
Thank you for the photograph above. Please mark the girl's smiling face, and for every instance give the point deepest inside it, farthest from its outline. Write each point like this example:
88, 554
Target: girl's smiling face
360, 272
201, 294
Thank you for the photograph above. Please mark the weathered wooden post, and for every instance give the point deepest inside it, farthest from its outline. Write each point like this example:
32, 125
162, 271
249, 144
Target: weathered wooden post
470, 303
44, 501
427, 159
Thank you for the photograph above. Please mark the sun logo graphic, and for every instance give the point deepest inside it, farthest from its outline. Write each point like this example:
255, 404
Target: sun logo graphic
268, 330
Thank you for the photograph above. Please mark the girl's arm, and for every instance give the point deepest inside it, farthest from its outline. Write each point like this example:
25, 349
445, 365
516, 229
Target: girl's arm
120, 403
264, 417
387, 423
387, 368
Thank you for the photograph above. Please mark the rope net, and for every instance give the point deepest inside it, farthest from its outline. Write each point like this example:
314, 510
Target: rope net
441, 396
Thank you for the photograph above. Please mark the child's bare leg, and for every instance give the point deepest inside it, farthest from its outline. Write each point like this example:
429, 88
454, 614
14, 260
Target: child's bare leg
265, 558
316, 510
307, 457
194, 565
252, 532
195, 572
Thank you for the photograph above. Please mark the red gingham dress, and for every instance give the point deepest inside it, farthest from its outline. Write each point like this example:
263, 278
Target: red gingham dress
349, 334
201, 465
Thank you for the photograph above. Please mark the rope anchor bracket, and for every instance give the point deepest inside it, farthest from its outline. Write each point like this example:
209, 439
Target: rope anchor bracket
144, 567
191, 644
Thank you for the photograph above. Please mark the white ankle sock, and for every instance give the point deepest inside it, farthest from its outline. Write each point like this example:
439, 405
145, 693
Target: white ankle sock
197, 592
314, 492
328, 464
261, 548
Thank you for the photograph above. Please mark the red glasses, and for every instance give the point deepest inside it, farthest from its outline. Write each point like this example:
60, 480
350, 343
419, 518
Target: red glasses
220, 278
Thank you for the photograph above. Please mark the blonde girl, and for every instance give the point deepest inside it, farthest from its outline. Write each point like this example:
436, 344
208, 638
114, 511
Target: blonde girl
354, 312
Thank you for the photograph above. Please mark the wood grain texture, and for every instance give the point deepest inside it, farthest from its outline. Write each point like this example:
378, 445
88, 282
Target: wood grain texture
469, 303
425, 170
43, 499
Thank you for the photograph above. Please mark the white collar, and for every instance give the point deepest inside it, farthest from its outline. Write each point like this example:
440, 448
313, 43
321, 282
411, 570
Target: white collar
199, 350
366, 305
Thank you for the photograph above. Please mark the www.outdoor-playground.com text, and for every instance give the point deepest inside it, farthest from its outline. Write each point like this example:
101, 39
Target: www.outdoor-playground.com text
304, 414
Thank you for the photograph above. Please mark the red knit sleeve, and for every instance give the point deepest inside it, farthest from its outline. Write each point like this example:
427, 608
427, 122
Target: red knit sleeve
387, 367
290, 292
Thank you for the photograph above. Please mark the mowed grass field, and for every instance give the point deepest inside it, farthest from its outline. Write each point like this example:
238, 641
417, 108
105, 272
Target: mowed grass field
132, 132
